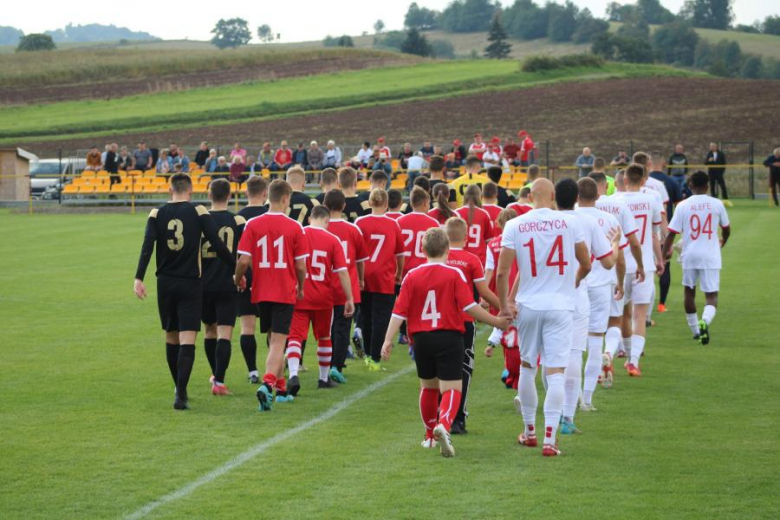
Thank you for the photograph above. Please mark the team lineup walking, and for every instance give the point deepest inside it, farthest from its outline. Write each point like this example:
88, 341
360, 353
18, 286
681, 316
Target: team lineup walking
563, 276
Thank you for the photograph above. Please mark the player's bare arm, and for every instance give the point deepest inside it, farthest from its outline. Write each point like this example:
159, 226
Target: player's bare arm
399, 268
478, 313
583, 257
620, 270
724, 237
392, 331
242, 266
505, 260
300, 273
660, 265
636, 252
486, 294
361, 270
147, 249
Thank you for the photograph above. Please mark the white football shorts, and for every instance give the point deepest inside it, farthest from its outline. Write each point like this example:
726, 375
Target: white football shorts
545, 333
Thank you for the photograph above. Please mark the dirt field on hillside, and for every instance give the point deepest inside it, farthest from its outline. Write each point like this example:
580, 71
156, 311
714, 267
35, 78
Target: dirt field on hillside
605, 115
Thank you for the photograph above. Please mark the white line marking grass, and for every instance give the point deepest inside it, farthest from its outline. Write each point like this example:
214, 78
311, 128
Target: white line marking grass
260, 448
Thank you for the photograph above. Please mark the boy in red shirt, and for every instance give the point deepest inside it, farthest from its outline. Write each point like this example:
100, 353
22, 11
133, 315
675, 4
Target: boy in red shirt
325, 264
356, 254
432, 299
480, 229
456, 229
274, 246
490, 204
383, 269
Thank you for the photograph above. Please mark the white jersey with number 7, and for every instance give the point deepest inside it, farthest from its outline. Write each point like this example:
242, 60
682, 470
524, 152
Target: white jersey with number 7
647, 210
544, 242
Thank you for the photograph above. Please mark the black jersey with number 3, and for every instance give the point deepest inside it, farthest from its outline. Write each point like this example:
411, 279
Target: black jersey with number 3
175, 230
218, 276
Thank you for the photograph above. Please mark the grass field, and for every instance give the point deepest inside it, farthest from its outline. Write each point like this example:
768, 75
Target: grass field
87, 430
236, 103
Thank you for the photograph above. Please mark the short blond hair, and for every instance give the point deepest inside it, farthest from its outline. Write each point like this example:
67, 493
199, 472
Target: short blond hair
377, 198
456, 229
435, 243
297, 173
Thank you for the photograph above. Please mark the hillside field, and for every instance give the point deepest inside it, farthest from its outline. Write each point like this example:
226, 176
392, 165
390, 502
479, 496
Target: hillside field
88, 430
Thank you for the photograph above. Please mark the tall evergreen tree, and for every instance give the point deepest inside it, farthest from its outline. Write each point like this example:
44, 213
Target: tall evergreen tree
416, 43
499, 48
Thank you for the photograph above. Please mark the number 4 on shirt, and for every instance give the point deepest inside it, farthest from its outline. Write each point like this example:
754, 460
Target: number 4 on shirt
429, 311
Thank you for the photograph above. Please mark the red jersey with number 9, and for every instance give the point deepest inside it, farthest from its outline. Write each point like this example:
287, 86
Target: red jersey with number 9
433, 297
354, 252
413, 228
479, 232
325, 260
275, 242
384, 242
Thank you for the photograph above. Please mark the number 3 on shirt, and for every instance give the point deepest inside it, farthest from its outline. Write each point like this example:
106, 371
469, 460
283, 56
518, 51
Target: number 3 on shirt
429, 309
557, 250
279, 246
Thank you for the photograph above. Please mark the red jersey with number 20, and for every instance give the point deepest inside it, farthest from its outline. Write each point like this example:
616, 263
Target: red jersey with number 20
413, 228
384, 242
325, 260
354, 252
275, 242
479, 232
433, 297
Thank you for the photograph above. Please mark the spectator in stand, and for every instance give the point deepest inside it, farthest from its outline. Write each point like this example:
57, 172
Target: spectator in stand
585, 162
427, 150
237, 170
414, 167
378, 162
125, 160
282, 158
458, 151
527, 148
315, 157
202, 154
104, 154
364, 155
452, 165
504, 196
437, 150
142, 157
182, 161
299, 157
478, 147
164, 164
94, 162
773, 163
404, 155
332, 157
492, 157
678, 166
716, 160
621, 159
266, 157
237, 150
250, 166
383, 148
173, 151
222, 170
111, 163
211, 162
510, 152
496, 142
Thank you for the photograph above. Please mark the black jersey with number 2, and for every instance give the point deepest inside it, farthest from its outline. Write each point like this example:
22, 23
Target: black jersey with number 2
218, 276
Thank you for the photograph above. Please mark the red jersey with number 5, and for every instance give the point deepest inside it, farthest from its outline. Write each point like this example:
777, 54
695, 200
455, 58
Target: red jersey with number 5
275, 242
384, 242
413, 228
325, 260
479, 232
354, 252
433, 297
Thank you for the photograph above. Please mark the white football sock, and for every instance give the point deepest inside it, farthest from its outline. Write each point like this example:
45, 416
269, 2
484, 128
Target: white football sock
254, 373
627, 346
495, 337
708, 314
553, 403
612, 341
693, 323
544, 377
592, 368
637, 347
293, 364
572, 385
529, 399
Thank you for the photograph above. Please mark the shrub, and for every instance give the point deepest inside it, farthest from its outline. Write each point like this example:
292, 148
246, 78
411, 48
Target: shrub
542, 63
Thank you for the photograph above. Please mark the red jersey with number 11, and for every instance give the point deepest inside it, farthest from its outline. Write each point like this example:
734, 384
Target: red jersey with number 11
275, 242
433, 297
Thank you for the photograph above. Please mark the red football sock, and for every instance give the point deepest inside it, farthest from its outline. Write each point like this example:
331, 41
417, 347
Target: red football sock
429, 409
281, 384
450, 401
269, 379
512, 364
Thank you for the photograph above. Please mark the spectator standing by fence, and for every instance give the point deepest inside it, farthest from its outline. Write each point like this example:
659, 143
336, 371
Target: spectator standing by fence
678, 166
511, 151
143, 157
585, 162
315, 157
111, 163
332, 157
773, 163
716, 162
621, 160
527, 147
202, 154
414, 167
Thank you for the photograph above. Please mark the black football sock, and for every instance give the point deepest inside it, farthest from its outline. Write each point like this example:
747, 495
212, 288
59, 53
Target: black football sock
249, 349
186, 360
210, 345
223, 359
172, 353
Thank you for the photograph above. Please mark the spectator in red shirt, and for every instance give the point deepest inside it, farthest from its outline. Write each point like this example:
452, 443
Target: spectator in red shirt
511, 151
478, 147
458, 152
282, 158
237, 170
526, 148
384, 150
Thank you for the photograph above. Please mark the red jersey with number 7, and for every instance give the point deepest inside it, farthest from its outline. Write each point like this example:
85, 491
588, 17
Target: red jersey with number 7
480, 230
275, 242
354, 252
413, 228
325, 260
384, 242
433, 297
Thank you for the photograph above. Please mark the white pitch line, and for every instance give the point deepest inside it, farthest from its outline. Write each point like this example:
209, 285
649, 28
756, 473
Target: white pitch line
257, 449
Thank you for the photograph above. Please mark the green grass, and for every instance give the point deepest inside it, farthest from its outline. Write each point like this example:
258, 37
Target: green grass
274, 99
87, 429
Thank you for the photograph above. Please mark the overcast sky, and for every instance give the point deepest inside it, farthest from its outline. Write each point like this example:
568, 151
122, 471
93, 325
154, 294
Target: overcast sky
295, 20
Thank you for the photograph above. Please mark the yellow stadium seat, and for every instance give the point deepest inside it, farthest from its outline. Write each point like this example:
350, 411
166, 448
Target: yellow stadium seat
102, 188
515, 184
148, 188
88, 174
159, 181
200, 188
402, 176
395, 164
234, 187
102, 173
398, 184
150, 173
87, 188
135, 173
119, 188
71, 189
78, 181
363, 185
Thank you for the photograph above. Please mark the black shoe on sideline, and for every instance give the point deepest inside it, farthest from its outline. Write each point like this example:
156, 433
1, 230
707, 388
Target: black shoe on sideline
458, 428
293, 386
